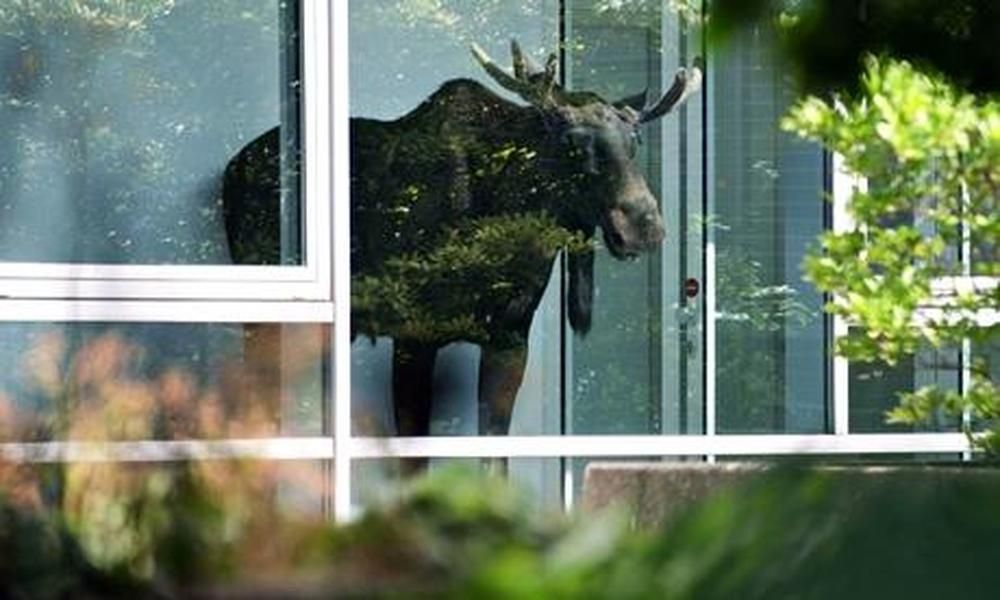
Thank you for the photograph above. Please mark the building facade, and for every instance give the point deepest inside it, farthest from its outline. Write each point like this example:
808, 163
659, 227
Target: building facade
152, 314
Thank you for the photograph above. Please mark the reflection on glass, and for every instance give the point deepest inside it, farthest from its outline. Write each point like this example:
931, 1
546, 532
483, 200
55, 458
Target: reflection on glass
770, 340
464, 199
874, 389
986, 359
177, 521
985, 255
103, 382
984, 365
120, 119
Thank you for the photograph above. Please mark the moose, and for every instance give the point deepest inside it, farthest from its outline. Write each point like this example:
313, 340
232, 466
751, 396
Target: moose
459, 209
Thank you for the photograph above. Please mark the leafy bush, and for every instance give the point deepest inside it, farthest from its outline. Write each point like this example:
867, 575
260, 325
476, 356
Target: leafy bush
932, 159
791, 533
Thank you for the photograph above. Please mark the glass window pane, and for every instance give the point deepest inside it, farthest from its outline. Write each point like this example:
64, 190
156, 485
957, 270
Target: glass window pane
985, 259
986, 357
985, 366
874, 389
128, 382
150, 132
770, 331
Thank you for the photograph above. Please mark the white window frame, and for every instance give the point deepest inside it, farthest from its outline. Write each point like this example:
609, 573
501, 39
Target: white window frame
309, 281
845, 184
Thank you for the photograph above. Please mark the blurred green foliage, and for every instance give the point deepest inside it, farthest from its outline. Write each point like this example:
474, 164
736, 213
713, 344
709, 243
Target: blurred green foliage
931, 155
795, 532
36, 559
826, 41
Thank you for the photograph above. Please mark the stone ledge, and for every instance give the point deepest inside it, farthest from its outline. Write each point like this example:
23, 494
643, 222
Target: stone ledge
653, 493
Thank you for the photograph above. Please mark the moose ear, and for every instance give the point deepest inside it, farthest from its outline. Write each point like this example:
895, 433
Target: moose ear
636, 102
581, 289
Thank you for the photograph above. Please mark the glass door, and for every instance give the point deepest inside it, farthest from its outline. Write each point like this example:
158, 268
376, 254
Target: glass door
639, 369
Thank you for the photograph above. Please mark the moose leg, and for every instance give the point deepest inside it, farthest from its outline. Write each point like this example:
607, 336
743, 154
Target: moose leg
412, 393
500, 373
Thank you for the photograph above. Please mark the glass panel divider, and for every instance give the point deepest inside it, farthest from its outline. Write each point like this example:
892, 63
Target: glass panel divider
362, 448
318, 129
543, 446
302, 448
166, 311
337, 20
710, 254
844, 185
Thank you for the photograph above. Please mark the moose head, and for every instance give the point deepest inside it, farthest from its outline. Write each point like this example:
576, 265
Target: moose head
600, 140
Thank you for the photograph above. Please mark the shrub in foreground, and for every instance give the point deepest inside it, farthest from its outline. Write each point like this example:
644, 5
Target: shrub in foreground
791, 533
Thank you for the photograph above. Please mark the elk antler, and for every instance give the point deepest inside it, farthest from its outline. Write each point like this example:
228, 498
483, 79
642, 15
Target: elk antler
686, 82
528, 81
